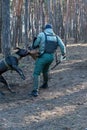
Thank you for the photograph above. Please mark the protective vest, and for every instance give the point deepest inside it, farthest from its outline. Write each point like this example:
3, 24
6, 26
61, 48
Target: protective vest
50, 46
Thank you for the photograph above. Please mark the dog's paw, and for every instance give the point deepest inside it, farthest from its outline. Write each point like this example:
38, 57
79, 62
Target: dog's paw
23, 77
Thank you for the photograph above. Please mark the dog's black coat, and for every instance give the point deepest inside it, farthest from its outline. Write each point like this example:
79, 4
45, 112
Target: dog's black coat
11, 63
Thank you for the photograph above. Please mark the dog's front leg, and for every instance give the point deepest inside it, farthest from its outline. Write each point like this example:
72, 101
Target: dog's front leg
19, 71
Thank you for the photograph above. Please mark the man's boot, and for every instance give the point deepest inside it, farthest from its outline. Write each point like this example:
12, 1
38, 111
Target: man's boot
45, 79
35, 86
44, 85
34, 93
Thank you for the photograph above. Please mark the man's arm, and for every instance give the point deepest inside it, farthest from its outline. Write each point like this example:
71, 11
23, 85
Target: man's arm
36, 42
62, 46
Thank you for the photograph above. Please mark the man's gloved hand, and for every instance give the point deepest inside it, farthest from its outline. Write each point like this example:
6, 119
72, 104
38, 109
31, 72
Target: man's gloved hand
62, 57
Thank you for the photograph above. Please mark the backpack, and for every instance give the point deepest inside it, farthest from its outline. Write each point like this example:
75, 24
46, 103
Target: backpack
50, 46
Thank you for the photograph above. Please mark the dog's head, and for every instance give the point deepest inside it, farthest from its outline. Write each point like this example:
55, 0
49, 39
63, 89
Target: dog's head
22, 52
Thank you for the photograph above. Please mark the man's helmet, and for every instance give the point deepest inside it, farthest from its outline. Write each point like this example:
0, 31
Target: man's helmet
48, 26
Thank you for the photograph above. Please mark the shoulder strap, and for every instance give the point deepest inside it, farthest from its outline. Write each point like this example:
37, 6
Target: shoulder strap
50, 35
45, 36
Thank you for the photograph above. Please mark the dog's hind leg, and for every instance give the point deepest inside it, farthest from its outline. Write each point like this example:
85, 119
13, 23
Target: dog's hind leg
5, 83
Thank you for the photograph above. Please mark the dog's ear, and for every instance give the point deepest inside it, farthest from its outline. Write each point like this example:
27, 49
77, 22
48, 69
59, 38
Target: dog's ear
17, 48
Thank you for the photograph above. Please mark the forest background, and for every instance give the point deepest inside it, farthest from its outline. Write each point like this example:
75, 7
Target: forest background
22, 20
63, 106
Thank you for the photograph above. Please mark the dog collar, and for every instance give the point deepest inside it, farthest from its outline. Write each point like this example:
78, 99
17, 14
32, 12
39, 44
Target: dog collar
8, 66
17, 56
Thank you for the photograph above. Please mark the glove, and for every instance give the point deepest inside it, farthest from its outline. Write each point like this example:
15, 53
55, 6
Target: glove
62, 58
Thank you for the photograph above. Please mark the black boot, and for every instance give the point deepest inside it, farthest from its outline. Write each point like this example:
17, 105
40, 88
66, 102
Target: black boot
34, 93
45, 85
45, 80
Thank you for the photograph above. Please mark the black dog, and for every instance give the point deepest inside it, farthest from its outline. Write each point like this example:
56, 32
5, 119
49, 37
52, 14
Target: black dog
11, 63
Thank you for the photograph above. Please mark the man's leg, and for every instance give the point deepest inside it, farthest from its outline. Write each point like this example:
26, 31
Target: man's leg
45, 80
35, 85
42, 65
36, 76
45, 75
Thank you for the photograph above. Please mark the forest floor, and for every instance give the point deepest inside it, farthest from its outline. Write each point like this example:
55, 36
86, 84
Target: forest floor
63, 106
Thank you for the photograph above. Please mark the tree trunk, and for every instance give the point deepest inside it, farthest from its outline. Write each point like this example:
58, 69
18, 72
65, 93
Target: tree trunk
26, 23
17, 29
0, 22
6, 27
49, 11
66, 23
